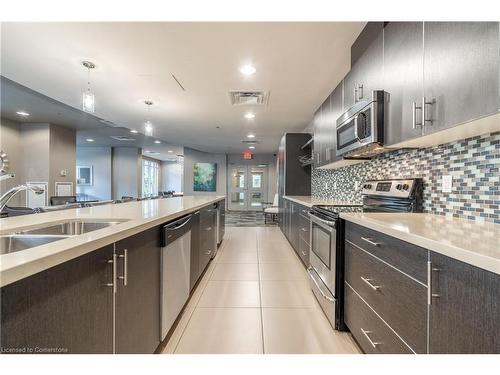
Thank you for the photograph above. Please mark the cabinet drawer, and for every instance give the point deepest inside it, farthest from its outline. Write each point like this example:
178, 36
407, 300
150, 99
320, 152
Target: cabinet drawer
207, 213
304, 252
399, 300
304, 228
408, 258
377, 336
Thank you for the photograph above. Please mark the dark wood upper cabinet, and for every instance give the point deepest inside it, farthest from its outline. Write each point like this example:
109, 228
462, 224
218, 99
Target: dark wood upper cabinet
318, 139
461, 72
464, 316
67, 308
366, 75
336, 110
403, 79
138, 302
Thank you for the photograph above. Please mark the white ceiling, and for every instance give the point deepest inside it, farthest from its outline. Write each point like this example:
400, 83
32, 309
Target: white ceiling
299, 63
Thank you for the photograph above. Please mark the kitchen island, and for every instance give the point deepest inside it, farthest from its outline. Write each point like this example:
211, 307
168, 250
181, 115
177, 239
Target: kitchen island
96, 292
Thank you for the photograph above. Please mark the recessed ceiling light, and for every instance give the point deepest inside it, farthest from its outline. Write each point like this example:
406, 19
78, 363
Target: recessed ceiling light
170, 151
247, 70
249, 115
134, 131
89, 140
251, 147
157, 141
22, 113
251, 135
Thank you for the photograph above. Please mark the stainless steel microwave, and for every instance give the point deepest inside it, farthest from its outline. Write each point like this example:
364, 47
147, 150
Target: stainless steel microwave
360, 130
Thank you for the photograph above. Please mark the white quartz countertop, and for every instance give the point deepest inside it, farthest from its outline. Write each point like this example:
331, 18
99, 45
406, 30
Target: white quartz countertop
472, 242
137, 217
311, 201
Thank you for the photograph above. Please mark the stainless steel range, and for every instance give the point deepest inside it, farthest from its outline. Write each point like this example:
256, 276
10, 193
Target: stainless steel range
326, 269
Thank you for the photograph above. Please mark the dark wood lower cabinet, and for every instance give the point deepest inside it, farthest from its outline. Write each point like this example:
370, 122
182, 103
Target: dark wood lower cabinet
465, 316
462, 316
65, 309
138, 302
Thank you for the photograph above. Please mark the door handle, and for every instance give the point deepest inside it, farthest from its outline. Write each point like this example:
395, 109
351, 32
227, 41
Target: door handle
430, 295
360, 92
425, 103
366, 334
124, 277
113, 284
368, 281
414, 109
370, 241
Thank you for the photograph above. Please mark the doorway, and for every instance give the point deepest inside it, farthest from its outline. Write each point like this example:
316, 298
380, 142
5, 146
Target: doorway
247, 187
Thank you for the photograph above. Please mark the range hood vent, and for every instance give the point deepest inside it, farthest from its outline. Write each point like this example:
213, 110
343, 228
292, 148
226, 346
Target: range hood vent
239, 97
122, 138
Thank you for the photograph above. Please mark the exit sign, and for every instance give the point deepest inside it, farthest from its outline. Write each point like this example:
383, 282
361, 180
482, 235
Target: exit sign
247, 155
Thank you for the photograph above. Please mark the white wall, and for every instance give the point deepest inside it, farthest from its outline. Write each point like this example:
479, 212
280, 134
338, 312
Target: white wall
100, 159
171, 173
193, 156
38, 153
10, 143
126, 172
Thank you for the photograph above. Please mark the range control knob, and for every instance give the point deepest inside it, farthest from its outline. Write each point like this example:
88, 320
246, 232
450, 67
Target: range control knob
399, 187
406, 187
367, 186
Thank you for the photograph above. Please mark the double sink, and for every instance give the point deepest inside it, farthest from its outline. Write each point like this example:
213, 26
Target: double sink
25, 239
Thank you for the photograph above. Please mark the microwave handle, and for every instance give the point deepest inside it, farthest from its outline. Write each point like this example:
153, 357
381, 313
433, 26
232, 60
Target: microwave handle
356, 127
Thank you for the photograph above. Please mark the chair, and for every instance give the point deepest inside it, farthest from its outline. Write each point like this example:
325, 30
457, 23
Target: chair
62, 199
271, 209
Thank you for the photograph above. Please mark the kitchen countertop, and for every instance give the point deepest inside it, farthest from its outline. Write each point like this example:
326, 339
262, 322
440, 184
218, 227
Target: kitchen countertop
472, 242
309, 201
139, 216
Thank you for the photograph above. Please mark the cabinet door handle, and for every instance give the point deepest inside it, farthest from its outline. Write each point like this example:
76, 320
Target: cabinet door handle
303, 229
304, 253
124, 278
208, 229
368, 281
414, 108
430, 295
355, 93
113, 284
327, 154
370, 241
208, 252
424, 111
366, 334
360, 92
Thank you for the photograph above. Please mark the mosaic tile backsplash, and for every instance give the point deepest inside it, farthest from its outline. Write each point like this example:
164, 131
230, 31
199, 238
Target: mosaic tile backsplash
473, 162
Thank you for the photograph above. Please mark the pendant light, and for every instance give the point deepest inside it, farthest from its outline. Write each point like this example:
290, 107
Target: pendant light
148, 125
88, 99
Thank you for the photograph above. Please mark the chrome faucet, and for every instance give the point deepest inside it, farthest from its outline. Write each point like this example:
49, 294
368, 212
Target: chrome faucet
12, 192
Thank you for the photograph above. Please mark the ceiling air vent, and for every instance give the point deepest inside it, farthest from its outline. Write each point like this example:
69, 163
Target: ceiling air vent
238, 97
122, 138
249, 142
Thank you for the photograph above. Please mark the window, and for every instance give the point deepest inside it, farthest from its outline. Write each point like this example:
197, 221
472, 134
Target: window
149, 177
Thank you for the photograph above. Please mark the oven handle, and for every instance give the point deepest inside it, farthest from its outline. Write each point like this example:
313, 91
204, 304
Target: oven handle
310, 270
326, 224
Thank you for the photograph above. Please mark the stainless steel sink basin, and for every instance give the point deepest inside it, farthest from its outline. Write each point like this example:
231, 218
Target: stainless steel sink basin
71, 228
25, 239
10, 243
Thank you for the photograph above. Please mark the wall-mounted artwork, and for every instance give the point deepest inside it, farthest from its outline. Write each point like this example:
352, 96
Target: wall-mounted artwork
205, 177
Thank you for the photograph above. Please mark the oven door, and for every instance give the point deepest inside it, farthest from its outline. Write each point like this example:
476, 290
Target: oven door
323, 250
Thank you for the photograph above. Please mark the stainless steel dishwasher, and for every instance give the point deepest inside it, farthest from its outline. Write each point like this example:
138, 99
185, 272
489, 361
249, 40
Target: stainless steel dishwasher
175, 266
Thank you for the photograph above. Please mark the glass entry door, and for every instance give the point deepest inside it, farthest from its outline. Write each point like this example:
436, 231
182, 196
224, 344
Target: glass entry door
247, 187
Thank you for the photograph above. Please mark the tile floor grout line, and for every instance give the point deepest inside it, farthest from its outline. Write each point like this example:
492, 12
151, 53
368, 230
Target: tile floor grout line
260, 295
195, 307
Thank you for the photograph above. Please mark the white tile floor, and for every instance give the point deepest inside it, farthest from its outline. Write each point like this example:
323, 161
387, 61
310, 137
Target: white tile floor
255, 298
